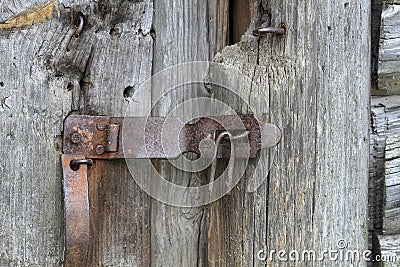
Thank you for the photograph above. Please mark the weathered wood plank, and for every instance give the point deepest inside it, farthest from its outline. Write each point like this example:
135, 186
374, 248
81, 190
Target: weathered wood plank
389, 52
33, 103
99, 72
383, 178
322, 108
219, 29
119, 49
102, 91
391, 217
178, 234
385, 123
390, 250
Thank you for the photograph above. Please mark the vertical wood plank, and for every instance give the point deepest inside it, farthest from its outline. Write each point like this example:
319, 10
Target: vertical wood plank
33, 102
389, 40
185, 31
384, 199
120, 53
320, 169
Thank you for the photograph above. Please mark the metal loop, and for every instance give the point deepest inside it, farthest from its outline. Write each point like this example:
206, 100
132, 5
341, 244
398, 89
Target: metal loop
82, 161
214, 163
74, 164
80, 20
265, 30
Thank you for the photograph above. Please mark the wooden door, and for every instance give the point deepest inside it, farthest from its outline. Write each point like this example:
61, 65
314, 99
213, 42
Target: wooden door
314, 80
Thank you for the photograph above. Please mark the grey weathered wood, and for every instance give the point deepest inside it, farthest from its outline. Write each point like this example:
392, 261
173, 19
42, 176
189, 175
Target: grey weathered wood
389, 52
390, 250
33, 103
97, 74
385, 125
384, 167
391, 218
319, 97
103, 84
320, 167
384, 111
185, 31
47, 73
119, 46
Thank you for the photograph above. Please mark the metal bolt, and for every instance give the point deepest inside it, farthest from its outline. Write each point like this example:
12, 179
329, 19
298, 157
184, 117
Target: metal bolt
100, 149
75, 138
101, 126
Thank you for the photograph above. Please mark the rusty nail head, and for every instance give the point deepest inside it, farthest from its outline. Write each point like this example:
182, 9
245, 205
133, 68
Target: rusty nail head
101, 126
100, 149
75, 138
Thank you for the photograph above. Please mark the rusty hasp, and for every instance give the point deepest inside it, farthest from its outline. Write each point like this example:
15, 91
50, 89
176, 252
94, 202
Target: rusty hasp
102, 137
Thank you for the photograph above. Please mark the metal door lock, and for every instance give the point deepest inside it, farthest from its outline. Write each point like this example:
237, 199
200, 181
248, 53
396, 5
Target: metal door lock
88, 138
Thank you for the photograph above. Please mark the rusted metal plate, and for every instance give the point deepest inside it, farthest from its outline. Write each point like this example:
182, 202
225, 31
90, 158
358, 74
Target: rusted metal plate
101, 137
76, 212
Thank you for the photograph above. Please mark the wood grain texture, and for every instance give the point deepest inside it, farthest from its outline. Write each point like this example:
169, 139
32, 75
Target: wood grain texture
124, 44
319, 169
322, 108
383, 181
389, 53
385, 117
33, 105
391, 218
390, 170
114, 53
96, 73
219, 31
47, 73
185, 31
390, 247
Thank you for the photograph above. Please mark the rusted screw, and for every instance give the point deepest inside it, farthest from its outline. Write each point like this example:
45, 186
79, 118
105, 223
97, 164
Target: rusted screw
101, 126
75, 138
100, 149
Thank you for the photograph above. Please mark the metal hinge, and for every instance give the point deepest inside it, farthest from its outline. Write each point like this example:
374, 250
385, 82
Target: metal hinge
88, 138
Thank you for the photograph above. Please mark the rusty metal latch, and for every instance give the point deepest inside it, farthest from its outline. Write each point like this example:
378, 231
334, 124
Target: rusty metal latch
88, 138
